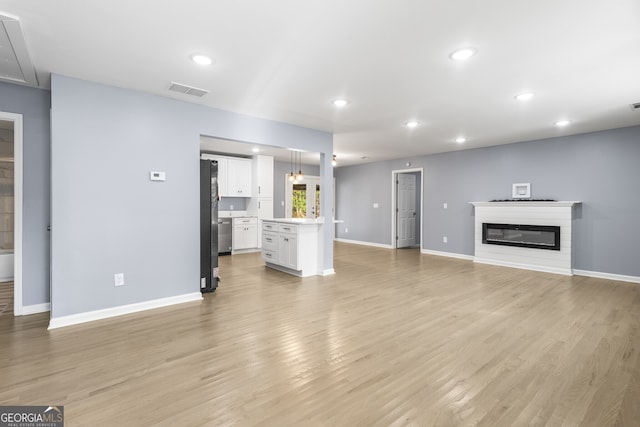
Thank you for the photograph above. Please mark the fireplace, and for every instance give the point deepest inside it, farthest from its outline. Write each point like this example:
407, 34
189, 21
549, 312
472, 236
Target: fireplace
536, 235
524, 236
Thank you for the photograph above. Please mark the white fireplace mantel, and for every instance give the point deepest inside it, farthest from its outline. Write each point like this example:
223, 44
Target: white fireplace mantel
532, 213
525, 203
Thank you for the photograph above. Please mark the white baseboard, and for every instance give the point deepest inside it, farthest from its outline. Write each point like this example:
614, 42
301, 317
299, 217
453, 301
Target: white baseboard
328, 272
74, 319
446, 254
359, 242
610, 276
525, 266
35, 308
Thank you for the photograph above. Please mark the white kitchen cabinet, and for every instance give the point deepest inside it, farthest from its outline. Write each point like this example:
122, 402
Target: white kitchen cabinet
264, 211
292, 247
288, 247
235, 175
263, 176
245, 233
223, 186
239, 178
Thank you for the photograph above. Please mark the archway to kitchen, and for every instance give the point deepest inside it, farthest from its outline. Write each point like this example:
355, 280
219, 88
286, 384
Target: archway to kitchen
259, 203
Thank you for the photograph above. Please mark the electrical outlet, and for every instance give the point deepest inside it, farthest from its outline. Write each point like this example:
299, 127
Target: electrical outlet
230, 207
445, 206
282, 203
346, 230
118, 279
444, 239
375, 206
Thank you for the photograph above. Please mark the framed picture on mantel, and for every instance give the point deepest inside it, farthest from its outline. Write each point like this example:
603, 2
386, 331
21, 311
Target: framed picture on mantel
521, 190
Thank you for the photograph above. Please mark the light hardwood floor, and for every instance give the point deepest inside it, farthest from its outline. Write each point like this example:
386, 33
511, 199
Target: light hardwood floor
395, 338
6, 298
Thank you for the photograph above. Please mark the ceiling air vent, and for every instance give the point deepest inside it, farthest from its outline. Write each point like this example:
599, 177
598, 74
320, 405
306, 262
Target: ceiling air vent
15, 63
636, 106
188, 90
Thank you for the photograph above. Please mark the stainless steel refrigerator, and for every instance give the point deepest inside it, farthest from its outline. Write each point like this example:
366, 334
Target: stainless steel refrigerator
209, 275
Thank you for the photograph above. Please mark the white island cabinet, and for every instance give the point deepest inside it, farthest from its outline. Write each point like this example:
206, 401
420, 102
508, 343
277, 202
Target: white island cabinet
292, 245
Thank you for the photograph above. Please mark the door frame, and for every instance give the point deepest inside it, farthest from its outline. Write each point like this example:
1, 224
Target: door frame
394, 204
288, 185
17, 208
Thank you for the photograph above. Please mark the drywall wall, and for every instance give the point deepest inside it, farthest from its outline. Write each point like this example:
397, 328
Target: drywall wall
600, 169
34, 105
109, 218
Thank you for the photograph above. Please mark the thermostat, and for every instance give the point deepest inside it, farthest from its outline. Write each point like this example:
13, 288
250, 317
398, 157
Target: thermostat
157, 176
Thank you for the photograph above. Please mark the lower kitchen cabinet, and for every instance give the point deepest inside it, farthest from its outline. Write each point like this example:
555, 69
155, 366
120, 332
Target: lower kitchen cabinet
291, 247
245, 233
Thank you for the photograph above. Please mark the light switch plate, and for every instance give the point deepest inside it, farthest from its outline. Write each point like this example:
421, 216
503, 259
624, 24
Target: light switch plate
375, 206
118, 279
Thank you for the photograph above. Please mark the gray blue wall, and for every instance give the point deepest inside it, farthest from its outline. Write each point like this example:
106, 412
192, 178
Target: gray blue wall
34, 105
600, 169
108, 217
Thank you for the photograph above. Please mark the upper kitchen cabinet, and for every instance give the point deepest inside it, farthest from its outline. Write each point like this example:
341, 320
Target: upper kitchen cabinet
263, 176
235, 175
239, 178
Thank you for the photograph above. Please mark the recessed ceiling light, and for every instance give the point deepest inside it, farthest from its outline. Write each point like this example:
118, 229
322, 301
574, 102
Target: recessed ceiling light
525, 96
461, 139
340, 102
255, 149
202, 60
562, 123
411, 124
462, 54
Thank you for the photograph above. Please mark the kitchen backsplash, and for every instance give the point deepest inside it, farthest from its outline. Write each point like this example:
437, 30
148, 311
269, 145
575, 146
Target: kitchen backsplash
238, 203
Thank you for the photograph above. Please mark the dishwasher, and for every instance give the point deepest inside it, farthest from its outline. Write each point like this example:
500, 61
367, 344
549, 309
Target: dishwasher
224, 236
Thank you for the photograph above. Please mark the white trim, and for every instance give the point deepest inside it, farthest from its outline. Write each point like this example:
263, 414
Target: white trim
446, 254
359, 242
327, 272
74, 319
394, 206
36, 308
566, 272
17, 209
610, 276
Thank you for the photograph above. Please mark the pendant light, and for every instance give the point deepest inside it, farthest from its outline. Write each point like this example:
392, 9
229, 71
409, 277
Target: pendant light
291, 174
300, 175
334, 162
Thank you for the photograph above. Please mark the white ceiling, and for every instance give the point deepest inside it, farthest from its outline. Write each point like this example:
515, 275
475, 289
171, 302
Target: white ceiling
287, 59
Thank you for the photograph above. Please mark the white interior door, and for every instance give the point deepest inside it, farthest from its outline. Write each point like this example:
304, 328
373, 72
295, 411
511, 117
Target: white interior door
406, 208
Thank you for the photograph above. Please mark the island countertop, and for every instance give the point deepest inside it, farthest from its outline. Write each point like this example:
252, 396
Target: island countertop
298, 221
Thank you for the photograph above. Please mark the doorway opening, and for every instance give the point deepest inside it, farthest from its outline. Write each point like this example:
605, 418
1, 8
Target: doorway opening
406, 212
302, 199
11, 213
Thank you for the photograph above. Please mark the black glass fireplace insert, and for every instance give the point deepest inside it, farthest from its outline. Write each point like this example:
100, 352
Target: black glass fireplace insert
526, 236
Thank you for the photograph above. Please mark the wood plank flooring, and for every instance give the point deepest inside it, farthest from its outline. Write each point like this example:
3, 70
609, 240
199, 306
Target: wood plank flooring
6, 298
395, 338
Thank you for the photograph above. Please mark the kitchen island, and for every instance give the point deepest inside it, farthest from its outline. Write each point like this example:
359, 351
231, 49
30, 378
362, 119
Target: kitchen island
293, 245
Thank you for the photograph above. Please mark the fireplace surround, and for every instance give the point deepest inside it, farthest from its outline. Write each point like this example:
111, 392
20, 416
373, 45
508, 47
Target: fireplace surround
534, 235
